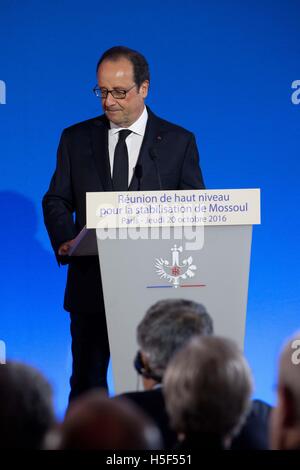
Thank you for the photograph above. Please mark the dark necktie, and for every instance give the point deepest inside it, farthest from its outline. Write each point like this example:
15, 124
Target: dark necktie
120, 170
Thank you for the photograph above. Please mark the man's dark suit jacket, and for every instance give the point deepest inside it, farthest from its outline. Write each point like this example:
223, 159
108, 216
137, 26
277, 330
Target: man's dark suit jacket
83, 165
152, 402
252, 436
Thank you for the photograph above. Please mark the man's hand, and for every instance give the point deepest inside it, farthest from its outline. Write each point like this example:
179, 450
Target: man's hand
64, 249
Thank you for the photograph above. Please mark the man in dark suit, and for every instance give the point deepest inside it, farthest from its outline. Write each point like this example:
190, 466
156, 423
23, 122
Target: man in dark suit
127, 148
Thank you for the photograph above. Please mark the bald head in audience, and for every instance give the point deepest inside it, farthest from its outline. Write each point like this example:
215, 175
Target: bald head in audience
285, 420
207, 388
95, 421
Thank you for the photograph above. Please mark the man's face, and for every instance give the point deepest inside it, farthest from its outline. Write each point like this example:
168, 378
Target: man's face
118, 75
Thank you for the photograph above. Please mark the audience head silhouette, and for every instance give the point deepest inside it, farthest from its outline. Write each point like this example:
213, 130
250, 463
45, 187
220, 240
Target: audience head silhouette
166, 327
26, 408
207, 388
285, 420
97, 422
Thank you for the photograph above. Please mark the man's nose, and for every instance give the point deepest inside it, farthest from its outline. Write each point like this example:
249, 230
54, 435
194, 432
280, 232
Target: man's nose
109, 100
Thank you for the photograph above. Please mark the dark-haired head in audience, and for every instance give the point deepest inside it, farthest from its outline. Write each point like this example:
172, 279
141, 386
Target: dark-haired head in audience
95, 422
166, 327
26, 408
285, 419
207, 388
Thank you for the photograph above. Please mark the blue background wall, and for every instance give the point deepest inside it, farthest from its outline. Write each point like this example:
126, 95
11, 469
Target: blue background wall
221, 68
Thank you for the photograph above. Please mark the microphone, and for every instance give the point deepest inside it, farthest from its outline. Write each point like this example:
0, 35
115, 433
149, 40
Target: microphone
139, 174
154, 156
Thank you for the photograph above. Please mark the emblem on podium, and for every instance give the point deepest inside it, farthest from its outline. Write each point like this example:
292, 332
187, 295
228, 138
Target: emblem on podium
175, 271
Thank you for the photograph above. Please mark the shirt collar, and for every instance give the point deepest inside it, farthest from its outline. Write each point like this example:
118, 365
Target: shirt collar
138, 127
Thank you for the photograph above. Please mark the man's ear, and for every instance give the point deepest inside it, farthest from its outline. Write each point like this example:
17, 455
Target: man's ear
145, 362
144, 88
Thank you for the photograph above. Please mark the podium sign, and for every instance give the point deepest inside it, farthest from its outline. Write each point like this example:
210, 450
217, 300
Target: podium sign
173, 208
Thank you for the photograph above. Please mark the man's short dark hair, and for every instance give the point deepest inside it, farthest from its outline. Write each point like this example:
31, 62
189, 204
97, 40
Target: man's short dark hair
140, 65
167, 326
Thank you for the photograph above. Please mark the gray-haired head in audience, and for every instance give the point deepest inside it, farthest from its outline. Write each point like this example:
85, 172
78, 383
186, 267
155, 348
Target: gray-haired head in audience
207, 388
285, 419
166, 327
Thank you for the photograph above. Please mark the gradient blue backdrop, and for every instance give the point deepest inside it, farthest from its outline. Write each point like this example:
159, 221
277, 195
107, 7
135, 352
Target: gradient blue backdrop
221, 68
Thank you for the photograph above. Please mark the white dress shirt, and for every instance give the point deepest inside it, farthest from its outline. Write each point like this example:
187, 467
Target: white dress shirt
133, 141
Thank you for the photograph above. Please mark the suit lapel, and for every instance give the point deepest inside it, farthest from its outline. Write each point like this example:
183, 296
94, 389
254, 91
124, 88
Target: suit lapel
100, 152
151, 137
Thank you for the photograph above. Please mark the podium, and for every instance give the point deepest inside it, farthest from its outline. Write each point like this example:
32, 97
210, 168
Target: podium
169, 244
